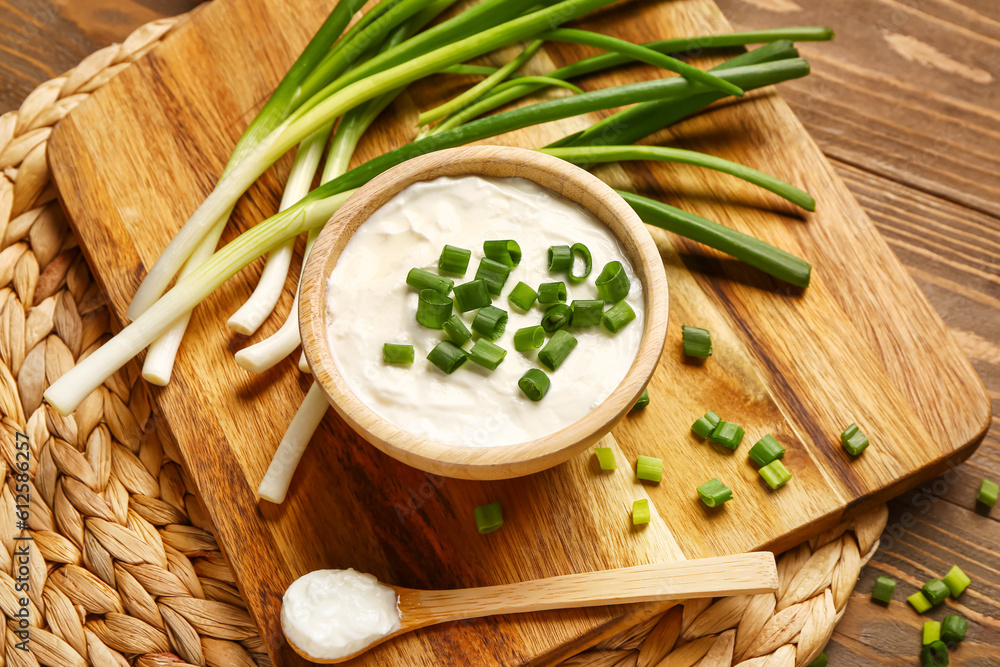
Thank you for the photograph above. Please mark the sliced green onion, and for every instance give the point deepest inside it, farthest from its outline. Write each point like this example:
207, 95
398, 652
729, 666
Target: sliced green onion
507, 252
551, 293
640, 512
490, 322
931, 633
713, 492
529, 338
853, 440
523, 296
456, 330
421, 280
697, 342
643, 401
988, 493
705, 425
487, 354
393, 353
557, 349
488, 517
935, 655
775, 474
534, 384
820, 660
649, 468
471, 295
883, 589
612, 283
583, 252
587, 313
560, 258
935, 591
447, 356
956, 581
953, 629
919, 602
433, 308
606, 458
454, 260
727, 434
617, 316
766, 450
557, 317
494, 274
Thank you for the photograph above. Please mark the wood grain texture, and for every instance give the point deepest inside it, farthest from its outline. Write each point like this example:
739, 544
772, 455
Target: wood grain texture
941, 272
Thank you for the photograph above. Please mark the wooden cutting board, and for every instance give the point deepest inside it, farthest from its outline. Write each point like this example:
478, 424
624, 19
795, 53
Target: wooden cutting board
860, 344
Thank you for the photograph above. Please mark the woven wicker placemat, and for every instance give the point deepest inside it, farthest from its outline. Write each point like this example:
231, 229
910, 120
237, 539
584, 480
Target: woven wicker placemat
98, 517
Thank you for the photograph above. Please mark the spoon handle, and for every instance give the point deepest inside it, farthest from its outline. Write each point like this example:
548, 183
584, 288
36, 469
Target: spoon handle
708, 577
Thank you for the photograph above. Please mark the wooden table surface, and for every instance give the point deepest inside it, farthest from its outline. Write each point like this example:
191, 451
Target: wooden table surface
906, 103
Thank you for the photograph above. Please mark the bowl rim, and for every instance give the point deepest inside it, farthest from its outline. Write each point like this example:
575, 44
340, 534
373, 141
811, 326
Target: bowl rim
499, 461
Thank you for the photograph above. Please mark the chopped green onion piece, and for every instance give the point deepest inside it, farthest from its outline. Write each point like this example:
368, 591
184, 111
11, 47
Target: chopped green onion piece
487, 354
935, 591
488, 517
557, 349
713, 418
702, 428
456, 330
433, 308
953, 629
713, 492
507, 252
551, 293
557, 317
775, 474
854, 440
640, 512
393, 353
697, 342
956, 581
560, 258
934, 655
529, 338
649, 468
490, 322
447, 356
617, 316
919, 602
606, 458
454, 260
932, 632
883, 589
820, 660
988, 493
587, 312
766, 450
584, 253
471, 295
612, 284
420, 279
643, 401
494, 274
534, 383
727, 434
523, 296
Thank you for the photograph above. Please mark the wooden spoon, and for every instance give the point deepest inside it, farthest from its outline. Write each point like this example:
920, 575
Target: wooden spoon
740, 574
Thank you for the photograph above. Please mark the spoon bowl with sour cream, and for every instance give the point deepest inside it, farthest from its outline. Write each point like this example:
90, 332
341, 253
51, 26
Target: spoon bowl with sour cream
476, 423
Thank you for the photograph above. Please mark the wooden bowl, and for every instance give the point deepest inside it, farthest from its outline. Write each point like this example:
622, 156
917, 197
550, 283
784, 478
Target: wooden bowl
497, 462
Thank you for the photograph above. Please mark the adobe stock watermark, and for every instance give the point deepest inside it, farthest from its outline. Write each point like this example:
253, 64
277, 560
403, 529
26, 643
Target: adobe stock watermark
921, 501
21, 569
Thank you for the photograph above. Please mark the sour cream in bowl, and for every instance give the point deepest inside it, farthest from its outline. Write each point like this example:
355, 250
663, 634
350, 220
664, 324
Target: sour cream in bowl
467, 410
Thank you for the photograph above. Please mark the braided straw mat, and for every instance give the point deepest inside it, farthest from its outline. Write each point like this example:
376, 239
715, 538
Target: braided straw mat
123, 563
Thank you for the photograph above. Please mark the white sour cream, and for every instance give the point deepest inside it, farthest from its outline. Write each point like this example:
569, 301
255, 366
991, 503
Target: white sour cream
330, 614
369, 304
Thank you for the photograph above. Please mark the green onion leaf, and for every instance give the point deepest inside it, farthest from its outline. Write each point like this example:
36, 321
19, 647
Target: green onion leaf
932, 632
853, 440
606, 458
883, 589
649, 468
557, 317
557, 349
935, 655
713, 492
617, 316
583, 252
612, 284
953, 629
433, 308
420, 279
727, 434
766, 450
560, 258
935, 591
640, 512
454, 260
456, 330
507, 253
447, 356
494, 274
534, 384
697, 342
487, 354
643, 401
988, 493
551, 293
529, 338
919, 602
471, 295
523, 296
956, 581
490, 322
586, 313
705, 425
488, 517
393, 353
775, 474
